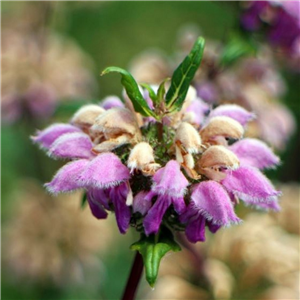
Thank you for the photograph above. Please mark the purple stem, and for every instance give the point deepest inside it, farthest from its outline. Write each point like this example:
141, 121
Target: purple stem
134, 278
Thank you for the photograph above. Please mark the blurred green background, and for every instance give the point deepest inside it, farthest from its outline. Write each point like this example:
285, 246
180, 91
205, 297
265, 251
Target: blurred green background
113, 33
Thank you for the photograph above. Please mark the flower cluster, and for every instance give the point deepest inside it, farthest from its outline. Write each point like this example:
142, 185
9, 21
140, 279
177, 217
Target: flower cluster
162, 161
188, 176
282, 22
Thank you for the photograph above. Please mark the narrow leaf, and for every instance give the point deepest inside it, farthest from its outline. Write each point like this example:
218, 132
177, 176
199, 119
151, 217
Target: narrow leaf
139, 103
183, 76
150, 91
153, 249
161, 90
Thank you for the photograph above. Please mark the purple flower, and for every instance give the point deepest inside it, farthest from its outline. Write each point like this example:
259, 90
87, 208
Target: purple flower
233, 111
98, 200
169, 186
101, 199
66, 179
210, 205
282, 18
251, 20
284, 30
104, 171
72, 145
250, 185
198, 110
208, 92
106, 179
46, 137
265, 206
255, 153
140, 203
111, 101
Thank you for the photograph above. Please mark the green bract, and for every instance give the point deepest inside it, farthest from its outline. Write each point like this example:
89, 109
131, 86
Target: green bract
153, 248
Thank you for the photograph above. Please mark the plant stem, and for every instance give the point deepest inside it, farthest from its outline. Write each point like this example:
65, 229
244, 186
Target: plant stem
160, 130
134, 278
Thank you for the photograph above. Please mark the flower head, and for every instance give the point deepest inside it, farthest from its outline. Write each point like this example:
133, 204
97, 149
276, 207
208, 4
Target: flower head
158, 165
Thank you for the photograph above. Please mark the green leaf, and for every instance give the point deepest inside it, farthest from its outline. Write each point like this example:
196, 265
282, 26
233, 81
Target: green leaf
83, 200
139, 103
150, 91
183, 76
153, 248
161, 90
236, 48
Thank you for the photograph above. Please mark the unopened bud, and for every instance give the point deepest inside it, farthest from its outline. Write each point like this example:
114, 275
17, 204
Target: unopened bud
116, 121
215, 158
142, 158
222, 126
188, 137
218, 157
85, 117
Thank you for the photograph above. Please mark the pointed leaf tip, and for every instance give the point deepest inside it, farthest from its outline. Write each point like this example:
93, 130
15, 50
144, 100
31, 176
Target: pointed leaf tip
183, 76
153, 249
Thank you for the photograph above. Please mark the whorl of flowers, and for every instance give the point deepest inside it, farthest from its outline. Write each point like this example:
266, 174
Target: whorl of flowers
162, 161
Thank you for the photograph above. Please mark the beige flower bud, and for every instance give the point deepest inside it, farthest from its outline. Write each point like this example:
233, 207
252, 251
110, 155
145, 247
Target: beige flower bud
214, 158
222, 126
85, 117
142, 158
188, 137
111, 144
115, 122
218, 156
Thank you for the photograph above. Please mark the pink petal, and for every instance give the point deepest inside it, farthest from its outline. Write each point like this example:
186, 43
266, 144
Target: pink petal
266, 206
140, 203
155, 215
111, 101
65, 179
195, 230
211, 200
250, 185
96, 207
170, 180
72, 145
208, 92
104, 171
47, 136
199, 108
101, 196
254, 153
233, 111
118, 196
